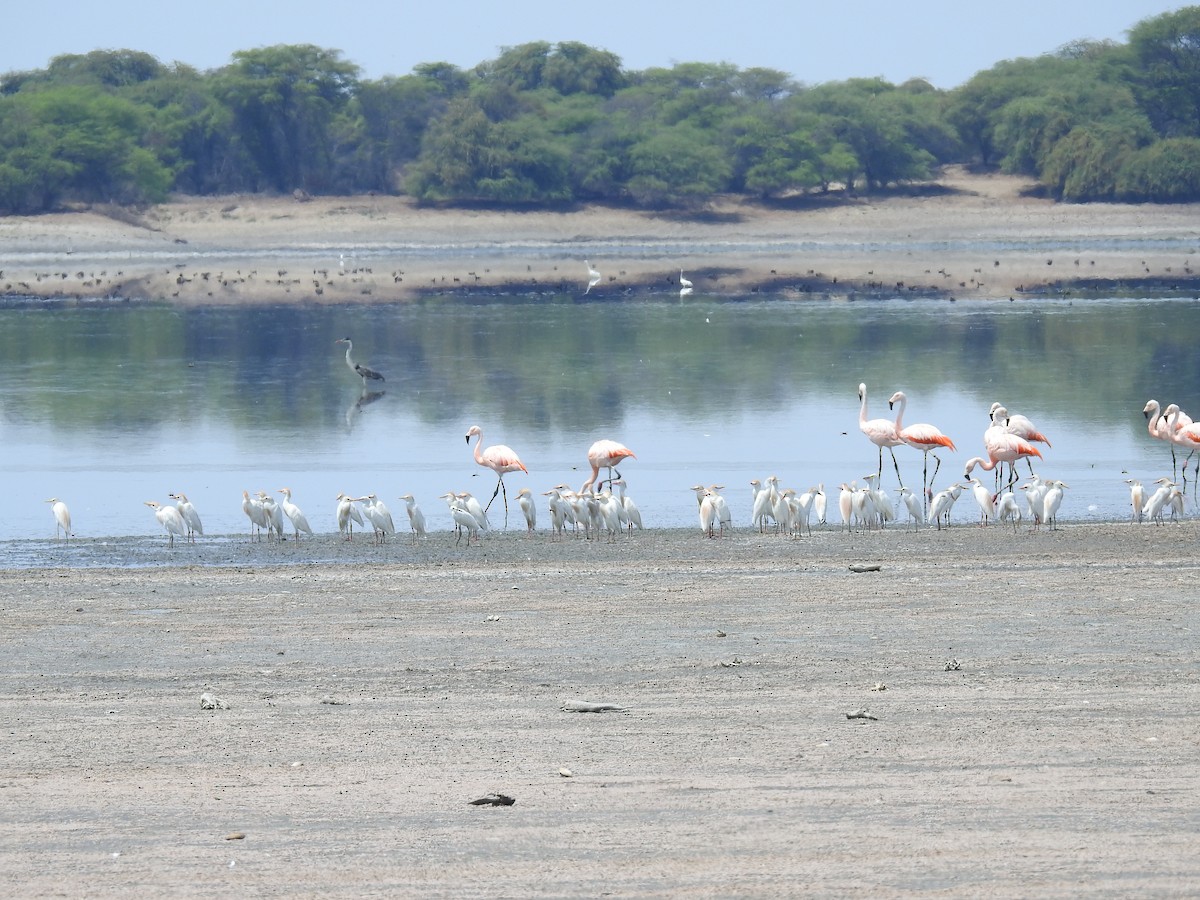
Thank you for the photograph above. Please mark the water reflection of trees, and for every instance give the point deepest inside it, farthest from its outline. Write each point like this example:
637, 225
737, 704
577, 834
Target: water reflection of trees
557, 365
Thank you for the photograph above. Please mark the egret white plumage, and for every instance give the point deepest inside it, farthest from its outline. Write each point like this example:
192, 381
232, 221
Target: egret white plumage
416, 518
347, 514
62, 517
295, 515
190, 516
1137, 498
633, 515
378, 515
528, 508
363, 372
170, 519
593, 276
463, 519
255, 512
685, 286
1050, 505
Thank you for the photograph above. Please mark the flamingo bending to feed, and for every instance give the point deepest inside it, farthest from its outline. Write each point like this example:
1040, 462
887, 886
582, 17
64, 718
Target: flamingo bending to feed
880, 432
606, 454
500, 459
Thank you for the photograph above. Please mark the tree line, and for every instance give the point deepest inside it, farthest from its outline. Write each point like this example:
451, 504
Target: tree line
548, 124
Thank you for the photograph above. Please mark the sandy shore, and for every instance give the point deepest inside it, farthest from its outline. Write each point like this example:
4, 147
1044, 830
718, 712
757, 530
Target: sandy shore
968, 236
1033, 731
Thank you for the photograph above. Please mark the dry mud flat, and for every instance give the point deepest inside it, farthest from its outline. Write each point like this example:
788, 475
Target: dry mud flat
967, 236
1034, 730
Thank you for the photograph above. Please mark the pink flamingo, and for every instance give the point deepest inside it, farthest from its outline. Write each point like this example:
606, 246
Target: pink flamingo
499, 459
1156, 424
923, 436
606, 454
1018, 425
1001, 448
880, 432
1184, 433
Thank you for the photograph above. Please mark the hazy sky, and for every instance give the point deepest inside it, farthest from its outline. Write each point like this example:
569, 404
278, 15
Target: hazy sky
945, 41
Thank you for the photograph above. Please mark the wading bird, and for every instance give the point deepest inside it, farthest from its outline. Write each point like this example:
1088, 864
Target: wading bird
500, 459
525, 501
923, 437
190, 516
295, 516
880, 432
366, 374
62, 517
593, 276
170, 519
606, 454
416, 518
685, 286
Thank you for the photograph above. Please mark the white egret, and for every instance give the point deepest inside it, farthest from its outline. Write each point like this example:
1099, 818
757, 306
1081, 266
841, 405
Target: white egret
525, 501
62, 517
593, 276
379, 516
685, 286
255, 512
294, 514
416, 518
170, 519
190, 516
347, 515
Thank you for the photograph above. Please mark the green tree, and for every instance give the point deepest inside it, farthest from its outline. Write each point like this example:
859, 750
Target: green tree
285, 101
1166, 55
1167, 171
75, 143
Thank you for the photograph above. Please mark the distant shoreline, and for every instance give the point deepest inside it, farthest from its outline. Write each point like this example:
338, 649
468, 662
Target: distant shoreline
973, 237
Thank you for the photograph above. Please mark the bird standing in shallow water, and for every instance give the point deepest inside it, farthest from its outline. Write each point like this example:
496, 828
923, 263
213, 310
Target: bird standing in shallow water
880, 432
923, 436
606, 454
363, 372
62, 517
593, 276
500, 459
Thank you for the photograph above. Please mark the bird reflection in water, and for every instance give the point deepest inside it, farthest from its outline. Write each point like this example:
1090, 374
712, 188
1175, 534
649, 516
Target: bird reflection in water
354, 410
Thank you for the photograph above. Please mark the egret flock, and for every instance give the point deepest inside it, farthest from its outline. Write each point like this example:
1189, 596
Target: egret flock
602, 508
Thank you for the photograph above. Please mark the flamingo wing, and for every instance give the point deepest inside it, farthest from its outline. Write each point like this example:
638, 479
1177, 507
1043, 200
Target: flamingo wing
500, 459
925, 437
605, 453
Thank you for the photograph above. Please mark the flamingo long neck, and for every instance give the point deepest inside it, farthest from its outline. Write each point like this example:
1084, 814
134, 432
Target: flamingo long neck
862, 410
901, 403
478, 445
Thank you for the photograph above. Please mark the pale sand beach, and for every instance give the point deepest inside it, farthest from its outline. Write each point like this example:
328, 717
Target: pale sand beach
968, 236
1026, 718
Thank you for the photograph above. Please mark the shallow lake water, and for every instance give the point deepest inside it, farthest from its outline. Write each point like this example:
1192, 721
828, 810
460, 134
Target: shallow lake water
108, 406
